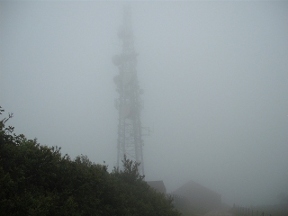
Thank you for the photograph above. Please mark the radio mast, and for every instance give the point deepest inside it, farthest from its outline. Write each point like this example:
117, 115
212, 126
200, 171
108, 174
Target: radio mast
129, 141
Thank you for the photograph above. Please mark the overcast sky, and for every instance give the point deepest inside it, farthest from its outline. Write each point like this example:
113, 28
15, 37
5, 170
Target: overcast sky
214, 75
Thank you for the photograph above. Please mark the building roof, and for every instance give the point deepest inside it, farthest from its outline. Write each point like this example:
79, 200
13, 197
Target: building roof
158, 186
194, 187
198, 195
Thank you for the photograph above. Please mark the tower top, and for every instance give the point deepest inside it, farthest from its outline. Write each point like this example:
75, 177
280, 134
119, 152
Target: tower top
125, 32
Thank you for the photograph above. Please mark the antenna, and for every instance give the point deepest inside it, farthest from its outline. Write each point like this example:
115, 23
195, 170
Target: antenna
129, 140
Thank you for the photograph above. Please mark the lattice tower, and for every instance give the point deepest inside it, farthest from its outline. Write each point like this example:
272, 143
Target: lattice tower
129, 141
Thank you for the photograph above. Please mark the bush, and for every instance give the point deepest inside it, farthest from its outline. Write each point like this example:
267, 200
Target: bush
38, 180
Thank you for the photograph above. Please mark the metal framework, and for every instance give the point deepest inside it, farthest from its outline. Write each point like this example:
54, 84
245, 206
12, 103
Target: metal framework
129, 141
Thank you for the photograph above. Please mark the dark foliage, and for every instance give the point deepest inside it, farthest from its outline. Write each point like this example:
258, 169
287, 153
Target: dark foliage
38, 180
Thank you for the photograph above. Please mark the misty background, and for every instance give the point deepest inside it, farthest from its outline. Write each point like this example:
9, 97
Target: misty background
214, 75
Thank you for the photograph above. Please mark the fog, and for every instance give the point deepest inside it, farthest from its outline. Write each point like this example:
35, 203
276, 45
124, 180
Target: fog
214, 75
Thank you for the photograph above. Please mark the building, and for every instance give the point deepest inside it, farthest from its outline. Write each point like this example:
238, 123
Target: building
198, 196
158, 186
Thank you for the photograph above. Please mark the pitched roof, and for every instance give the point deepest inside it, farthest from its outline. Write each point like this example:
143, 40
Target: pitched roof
157, 185
199, 195
194, 187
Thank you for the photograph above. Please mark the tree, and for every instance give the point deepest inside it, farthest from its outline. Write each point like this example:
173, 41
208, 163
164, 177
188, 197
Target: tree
38, 180
138, 198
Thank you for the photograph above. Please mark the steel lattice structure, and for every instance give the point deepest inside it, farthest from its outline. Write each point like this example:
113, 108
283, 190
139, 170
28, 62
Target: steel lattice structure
129, 141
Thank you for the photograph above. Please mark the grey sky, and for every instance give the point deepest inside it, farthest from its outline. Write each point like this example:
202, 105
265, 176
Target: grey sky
215, 83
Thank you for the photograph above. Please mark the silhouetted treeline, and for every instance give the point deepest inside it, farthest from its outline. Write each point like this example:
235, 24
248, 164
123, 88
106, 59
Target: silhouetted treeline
38, 180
